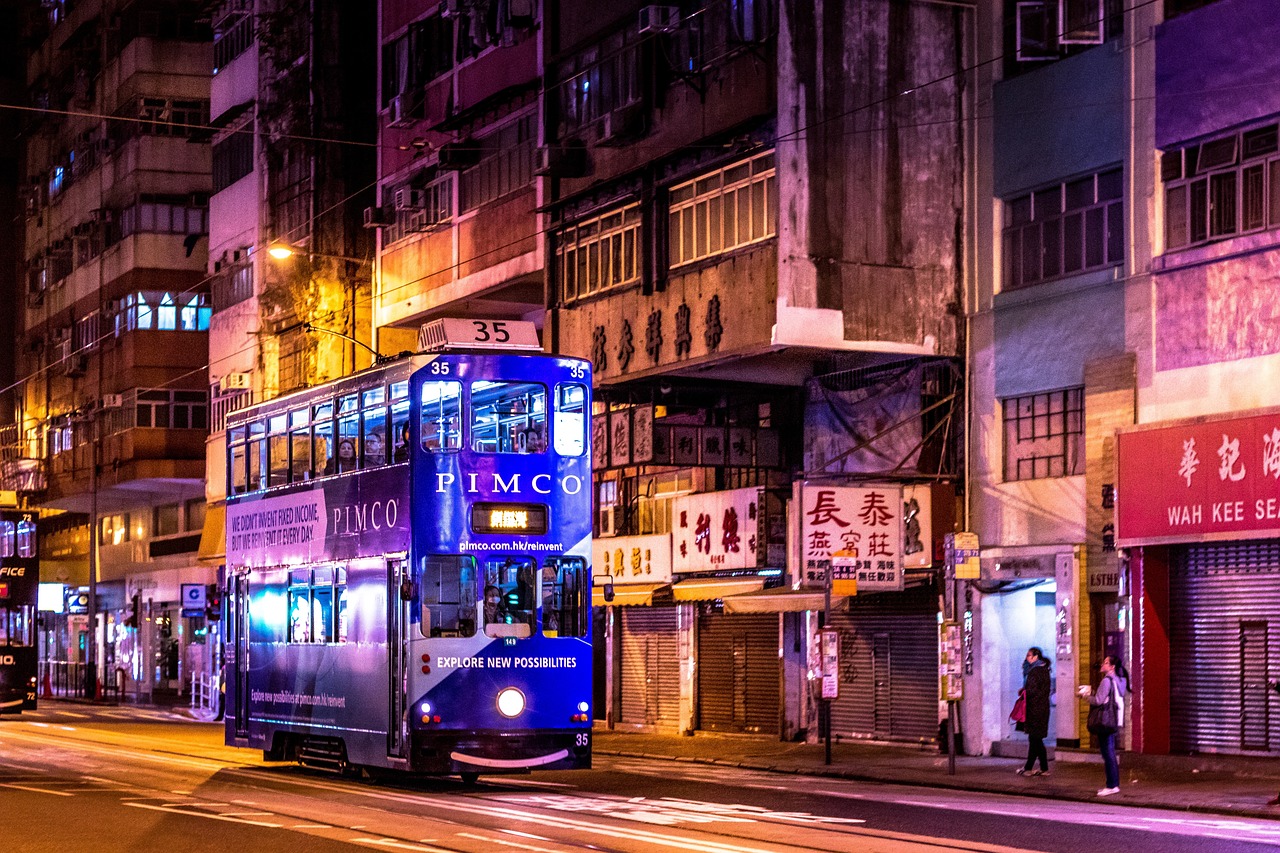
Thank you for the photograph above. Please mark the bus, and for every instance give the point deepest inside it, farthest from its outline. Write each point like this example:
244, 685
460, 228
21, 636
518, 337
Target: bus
19, 588
408, 578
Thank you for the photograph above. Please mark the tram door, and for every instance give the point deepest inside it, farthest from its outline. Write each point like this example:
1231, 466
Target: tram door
399, 596
240, 652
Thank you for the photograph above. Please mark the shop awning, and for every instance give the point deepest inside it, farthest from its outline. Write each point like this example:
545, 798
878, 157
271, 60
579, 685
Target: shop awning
709, 589
780, 600
626, 594
213, 539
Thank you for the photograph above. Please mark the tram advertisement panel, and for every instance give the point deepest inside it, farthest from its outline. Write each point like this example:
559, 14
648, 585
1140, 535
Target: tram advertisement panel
337, 519
19, 583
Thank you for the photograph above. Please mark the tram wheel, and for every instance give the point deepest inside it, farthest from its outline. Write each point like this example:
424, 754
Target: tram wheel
469, 778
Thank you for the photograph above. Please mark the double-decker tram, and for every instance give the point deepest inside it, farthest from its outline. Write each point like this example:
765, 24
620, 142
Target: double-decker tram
19, 590
408, 578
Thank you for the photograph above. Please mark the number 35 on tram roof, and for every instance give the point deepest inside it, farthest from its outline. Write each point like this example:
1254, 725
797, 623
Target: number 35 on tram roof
408, 562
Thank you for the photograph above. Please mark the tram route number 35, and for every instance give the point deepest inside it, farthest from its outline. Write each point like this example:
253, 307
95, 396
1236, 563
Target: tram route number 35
582, 739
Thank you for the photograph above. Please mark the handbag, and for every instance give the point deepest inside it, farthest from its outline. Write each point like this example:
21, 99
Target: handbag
1019, 712
1105, 719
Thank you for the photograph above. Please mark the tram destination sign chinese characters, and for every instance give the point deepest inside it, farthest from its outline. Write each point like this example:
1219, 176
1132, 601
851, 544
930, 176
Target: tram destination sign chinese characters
861, 524
1204, 480
716, 530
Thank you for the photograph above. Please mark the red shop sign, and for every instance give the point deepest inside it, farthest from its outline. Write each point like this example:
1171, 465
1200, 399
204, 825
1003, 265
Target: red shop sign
1202, 480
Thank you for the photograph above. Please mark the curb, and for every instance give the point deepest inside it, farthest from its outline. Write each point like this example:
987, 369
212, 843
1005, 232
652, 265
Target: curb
1260, 813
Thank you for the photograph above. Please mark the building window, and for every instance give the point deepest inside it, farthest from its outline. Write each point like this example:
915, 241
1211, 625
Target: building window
1064, 229
232, 157
419, 210
172, 409
114, 529
170, 117
506, 165
416, 58
232, 37
292, 360
231, 285
600, 80
599, 253
164, 311
1044, 435
1220, 188
290, 194
734, 206
1045, 30
164, 215
166, 520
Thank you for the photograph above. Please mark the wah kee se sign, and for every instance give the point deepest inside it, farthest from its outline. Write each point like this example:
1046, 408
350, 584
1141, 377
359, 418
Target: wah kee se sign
1199, 481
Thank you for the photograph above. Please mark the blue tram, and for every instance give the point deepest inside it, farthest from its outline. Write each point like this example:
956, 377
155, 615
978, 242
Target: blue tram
408, 580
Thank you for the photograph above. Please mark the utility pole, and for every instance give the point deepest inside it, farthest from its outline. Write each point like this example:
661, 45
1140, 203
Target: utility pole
91, 644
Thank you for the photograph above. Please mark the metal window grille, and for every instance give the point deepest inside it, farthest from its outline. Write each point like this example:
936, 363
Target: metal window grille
1044, 435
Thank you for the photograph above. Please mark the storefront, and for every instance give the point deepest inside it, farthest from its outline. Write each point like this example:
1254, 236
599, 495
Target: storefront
1198, 508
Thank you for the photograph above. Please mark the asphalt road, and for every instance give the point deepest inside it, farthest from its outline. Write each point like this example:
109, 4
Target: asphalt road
74, 778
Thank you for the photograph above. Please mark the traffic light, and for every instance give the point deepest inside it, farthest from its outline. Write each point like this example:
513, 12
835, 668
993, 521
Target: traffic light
134, 619
213, 603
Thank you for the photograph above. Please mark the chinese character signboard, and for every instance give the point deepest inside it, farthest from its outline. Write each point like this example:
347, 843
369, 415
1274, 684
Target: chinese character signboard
864, 522
830, 645
844, 573
1199, 481
963, 559
716, 530
917, 527
632, 559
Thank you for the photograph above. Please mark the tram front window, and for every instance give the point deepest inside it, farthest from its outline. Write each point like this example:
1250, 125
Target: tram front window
565, 608
448, 596
510, 585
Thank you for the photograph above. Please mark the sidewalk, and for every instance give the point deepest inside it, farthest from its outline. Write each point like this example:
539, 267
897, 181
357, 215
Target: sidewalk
1227, 785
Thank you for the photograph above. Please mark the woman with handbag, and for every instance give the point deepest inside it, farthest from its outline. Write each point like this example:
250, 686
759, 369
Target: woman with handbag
1106, 717
1036, 688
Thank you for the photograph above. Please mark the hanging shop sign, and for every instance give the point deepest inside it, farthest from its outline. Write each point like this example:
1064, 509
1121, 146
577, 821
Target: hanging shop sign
1201, 480
917, 526
716, 530
963, 560
633, 559
864, 522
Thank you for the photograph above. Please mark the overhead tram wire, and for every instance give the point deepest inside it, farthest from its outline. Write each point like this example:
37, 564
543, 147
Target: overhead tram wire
793, 135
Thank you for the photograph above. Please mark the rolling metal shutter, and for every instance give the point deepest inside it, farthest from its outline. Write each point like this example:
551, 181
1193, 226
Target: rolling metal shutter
1224, 603
738, 672
650, 666
888, 667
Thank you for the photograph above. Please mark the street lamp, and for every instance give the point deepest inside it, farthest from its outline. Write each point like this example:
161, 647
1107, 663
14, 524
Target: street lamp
282, 251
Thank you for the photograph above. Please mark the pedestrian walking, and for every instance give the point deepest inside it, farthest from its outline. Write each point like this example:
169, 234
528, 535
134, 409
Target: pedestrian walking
1036, 689
1106, 717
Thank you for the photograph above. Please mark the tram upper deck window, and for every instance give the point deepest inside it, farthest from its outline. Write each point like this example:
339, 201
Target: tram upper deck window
8, 538
322, 440
348, 434
239, 470
399, 434
278, 450
373, 428
565, 602
299, 446
508, 417
571, 420
508, 604
26, 539
257, 455
441, 415
449, 596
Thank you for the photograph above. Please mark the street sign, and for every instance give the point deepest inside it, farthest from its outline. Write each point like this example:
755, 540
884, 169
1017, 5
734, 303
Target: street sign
193, 599
963, 556
830, 644
844, 573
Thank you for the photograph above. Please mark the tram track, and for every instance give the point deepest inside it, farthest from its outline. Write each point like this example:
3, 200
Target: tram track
492, 801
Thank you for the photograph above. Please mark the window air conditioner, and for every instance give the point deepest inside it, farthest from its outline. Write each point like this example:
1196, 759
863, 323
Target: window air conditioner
112, 401
608, 521
659, 19
235, 381
407, 198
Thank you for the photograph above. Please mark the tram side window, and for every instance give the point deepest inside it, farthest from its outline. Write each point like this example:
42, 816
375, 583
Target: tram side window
508, 417
571, 419
257, 455
322, 440
374, 429
340, 595
509, 596
565, 603
8, 538
278, 450
448, 596
399, 434
26, 539
348, 434
17, 625
239, 462
300, 606
299, 446
322, 606
312, 616
441, 415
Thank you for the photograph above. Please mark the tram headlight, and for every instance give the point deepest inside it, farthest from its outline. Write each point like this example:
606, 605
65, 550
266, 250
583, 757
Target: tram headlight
583, 707
425, 708
510, 702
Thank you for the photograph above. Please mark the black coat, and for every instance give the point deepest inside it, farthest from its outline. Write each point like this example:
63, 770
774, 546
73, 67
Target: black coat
1037, 696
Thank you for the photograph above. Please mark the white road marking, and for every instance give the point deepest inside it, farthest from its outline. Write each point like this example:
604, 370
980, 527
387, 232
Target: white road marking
35, 790
399, 845
208, 815
522, 845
